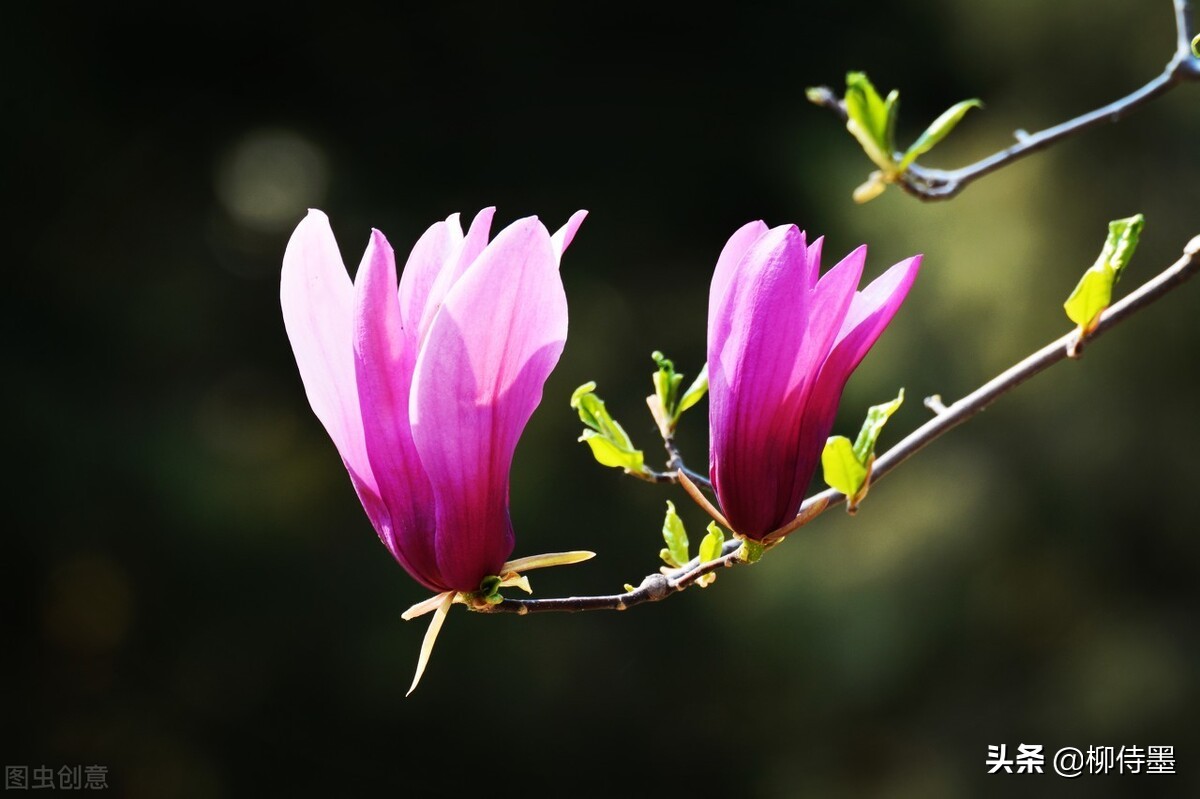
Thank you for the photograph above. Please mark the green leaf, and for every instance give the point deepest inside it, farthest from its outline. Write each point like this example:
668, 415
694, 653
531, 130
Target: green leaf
666, 382
676, 553
937, 131
710, 547
666, 405
695, 392
871, 119
1091, 296
610, 444
866, 107
1196, 47
608, 453
1094, 291
577, 402
842, 469
877, 416
1123, 236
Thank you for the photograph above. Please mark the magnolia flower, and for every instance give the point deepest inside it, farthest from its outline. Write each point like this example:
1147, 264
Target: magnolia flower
781, 345
425, 390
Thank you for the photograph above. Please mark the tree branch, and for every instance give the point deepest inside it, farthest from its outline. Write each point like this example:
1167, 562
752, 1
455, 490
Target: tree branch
938, 184
656, 587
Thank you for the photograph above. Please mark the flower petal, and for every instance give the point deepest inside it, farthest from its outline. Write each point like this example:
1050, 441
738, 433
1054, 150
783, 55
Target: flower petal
870, 313
435, 247
479, 376
727, 263
563, 237
317, 299
384, 357
454, 266
769, 334
758, 332
833, 297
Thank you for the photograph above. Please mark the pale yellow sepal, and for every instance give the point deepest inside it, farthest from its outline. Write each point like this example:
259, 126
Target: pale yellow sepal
425, 606
435, 626
542, 561
517, 581
439, 604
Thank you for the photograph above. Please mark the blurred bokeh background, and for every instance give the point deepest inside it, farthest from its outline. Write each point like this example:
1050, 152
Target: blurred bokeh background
194, 598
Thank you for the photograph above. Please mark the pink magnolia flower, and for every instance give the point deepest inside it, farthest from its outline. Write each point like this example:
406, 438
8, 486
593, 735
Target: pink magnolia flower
781, 345
425, 390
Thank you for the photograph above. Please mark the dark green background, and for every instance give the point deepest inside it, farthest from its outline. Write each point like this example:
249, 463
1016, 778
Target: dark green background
194, 598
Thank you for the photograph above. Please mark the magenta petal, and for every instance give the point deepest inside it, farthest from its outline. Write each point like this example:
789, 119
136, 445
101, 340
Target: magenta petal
814, 259
870, 313
479, 376
782, 341
727, 262
317, 298
384, 360
832, 299
754, 406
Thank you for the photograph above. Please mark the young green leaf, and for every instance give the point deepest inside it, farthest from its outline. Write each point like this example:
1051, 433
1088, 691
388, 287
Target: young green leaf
609, 453
666, 403
695, 392
1094, 291
1196, 47
676, 553
937, 131
666, 382
842, 470
1091, 296
710, 549
1123, 236
877, 416
609, 442
871, 119
847, 465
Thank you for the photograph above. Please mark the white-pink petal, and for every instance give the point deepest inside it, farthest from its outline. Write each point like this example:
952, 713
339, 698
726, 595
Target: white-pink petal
317, 299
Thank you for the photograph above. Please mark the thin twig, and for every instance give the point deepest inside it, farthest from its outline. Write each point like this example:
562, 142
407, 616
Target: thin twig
938, 184
656, 587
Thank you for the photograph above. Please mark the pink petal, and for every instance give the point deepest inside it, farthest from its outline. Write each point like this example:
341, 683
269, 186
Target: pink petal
765, 318
767, 344
727, 262
455, 266
870, 313
563, 237
317, 298
833, 297
385, 356
814, 259
435, 247
479, 376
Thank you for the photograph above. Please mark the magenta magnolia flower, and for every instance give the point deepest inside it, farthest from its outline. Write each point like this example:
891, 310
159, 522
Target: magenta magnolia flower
781, 345
426, 390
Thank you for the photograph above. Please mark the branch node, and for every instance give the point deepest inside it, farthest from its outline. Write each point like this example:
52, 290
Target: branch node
934, 403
